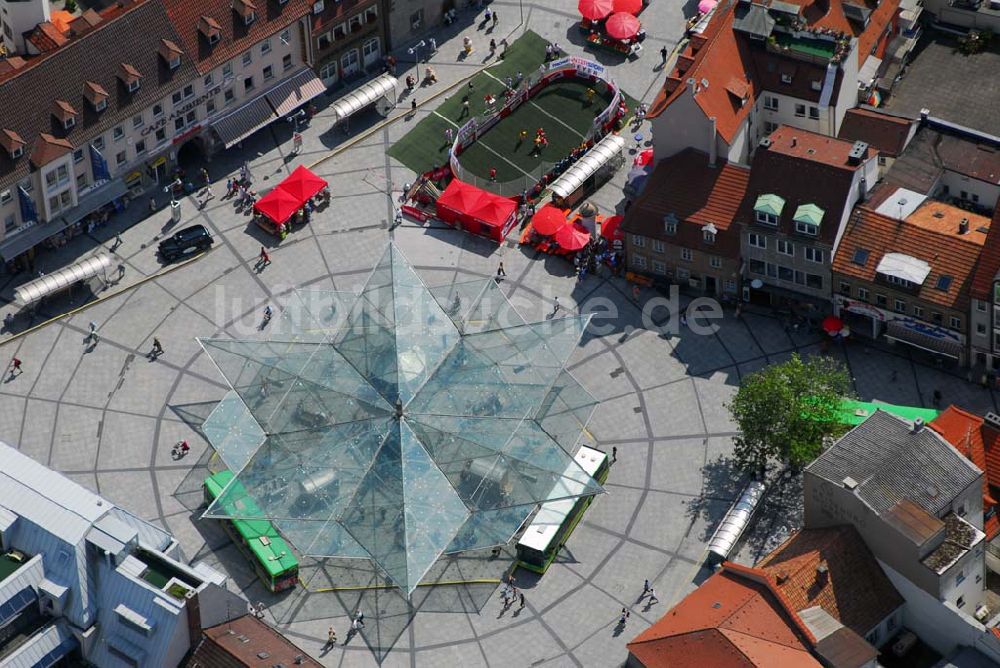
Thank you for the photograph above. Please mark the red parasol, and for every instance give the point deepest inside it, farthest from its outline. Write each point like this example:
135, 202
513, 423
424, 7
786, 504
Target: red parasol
548, 220
611, 229
595, 10
832, 324
622, 26
644, 158
628, 6
572, 237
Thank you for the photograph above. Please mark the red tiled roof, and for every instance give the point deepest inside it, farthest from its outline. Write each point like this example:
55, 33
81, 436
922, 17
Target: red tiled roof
888, 134
237, 37
979, 442
948, 254
854, 590
989, 262
241, 642
735, 618
47, 148
814, 147
696, 194
47, 37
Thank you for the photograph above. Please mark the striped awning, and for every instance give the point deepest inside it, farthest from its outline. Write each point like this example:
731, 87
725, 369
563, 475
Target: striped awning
932, 340
295, 91
244, 121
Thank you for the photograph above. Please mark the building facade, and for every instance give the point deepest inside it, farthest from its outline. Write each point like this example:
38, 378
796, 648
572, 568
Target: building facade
410, 20
681, 227
188, 80
802, 189
348, 40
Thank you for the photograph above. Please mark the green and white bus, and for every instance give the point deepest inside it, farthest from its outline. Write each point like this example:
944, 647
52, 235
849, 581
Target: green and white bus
260, 542
555, 520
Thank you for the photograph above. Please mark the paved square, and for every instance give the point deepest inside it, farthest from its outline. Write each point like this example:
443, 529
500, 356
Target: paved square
107, 416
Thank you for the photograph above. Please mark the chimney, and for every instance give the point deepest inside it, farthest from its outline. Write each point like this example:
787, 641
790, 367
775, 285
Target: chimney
963, 226
795, 141
822, 571
918, 425
992, 419
693, 84
924, 113
857, 153
782, 577
712, 145
862, 189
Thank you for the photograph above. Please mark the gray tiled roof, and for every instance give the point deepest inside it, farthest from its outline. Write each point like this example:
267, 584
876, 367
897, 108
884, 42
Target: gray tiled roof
890, 462
132, 38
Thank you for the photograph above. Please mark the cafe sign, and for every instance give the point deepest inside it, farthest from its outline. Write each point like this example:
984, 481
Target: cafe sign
181, 110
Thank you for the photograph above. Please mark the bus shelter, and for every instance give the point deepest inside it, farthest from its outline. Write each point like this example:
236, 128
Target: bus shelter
63, 279
379, 88
599, 162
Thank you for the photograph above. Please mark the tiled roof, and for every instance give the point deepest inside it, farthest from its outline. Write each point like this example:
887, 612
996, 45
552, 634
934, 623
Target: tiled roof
46, 37
948, 254
11, 64
47, 148
133, 37
728, 61
979, 442
241, 642
891, 462
336, 10
889, 134
854, 590
802, 168
236, 37
696, 194
989, 262
735, 618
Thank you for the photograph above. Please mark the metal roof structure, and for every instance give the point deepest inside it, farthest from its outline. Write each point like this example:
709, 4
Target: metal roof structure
890, 460
736, 520
46, 285
602, 153
360, 97
402, 424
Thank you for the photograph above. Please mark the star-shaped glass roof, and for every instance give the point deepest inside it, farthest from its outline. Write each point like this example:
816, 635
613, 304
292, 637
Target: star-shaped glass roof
401, 423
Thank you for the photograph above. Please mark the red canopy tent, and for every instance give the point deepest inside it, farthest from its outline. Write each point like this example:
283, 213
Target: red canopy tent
302, 184
478, 211
279, 205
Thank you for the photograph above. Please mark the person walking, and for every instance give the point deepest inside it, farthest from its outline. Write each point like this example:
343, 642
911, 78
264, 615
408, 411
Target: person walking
664, 52
331, 637
501, 273
645, 587
493, 46
93, 331
157, 347
555, 307
264, 259
652, 597
15, 367
496, 18
521, 607
465, 107
614, 453
623, 618
449, 135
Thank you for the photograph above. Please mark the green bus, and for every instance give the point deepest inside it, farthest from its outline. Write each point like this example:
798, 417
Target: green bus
555, 520
259, 541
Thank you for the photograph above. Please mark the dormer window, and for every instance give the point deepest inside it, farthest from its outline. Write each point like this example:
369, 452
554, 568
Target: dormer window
17, 153
65, 114
209, 29
708, 233
171, 53
670, 224
786, 78
767, 209
96, 95
101, 104
12, 143
808, 218
246, 9
69, 123
130, 77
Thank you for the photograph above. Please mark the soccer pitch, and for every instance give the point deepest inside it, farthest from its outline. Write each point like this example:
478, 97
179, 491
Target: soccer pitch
561, 108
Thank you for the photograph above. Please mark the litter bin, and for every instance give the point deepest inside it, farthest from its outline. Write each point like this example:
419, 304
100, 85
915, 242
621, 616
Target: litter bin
175, 211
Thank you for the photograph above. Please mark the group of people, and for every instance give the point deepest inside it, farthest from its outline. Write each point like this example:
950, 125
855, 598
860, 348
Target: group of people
541, 141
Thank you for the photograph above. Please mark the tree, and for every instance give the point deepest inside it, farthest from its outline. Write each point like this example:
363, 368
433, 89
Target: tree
787, 410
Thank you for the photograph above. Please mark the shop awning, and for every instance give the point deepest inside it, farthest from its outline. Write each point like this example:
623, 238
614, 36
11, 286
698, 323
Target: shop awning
295, 91
39, 232
362, 96
605, 151
243, 122
39, 288
939, 344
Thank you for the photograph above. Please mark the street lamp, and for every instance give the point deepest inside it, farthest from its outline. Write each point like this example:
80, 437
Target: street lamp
415, 49
297, 116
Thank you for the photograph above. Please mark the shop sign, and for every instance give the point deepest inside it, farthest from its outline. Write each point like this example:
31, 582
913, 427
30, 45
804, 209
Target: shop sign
862, 308
926, 329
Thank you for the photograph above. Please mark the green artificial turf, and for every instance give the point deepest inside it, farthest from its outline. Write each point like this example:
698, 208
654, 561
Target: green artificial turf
560, 108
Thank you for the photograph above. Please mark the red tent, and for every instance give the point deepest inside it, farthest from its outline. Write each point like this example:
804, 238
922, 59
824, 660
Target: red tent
302, 184
548, 220
278, 205
476, 210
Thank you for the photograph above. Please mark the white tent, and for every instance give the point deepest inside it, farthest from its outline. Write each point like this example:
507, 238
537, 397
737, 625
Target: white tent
605, 151
362, 96
64, 278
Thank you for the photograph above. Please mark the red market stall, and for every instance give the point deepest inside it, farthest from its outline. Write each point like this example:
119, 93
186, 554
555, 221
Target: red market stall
275, 210
477, 211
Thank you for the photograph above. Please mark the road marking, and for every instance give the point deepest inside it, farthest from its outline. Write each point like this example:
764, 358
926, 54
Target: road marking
486, 146
535, 105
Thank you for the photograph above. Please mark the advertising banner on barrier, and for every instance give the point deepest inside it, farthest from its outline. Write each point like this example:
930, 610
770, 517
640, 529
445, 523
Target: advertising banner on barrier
582, 65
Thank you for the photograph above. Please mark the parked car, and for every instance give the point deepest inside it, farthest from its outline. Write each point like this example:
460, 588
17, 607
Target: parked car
185, 242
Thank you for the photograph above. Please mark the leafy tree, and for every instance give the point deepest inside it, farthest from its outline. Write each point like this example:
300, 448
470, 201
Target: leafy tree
787, 410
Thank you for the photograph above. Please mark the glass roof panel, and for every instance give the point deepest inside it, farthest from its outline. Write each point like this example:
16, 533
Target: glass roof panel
233, 432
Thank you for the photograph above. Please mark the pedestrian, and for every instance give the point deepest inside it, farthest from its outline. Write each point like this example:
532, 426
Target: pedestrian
93, 331
413, 105
449, 135
487, 16
522, 601
496, 17
264, 259
157, 347
614, 453
645, 587
521, 136
493, 46
152, 205
465, 107
652, 596
204, 176
118, 241
493, 174
663, 54
472, 87
623, 617
331, 637
555, 308
500, 271
15, 364
548, 52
